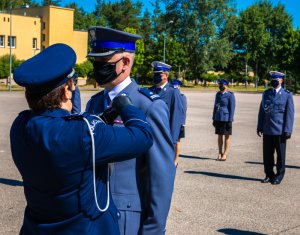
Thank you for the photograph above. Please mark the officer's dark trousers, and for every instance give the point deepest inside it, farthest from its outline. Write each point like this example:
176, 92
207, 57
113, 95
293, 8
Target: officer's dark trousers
270, 144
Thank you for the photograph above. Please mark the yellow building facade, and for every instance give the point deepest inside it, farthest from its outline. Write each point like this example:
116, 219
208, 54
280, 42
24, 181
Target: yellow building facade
34, 29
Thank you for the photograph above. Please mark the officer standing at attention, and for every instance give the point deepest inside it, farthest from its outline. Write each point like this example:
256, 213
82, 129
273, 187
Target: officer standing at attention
223, 114
57, 153
275, 123
170, 95
176, 83
141, 189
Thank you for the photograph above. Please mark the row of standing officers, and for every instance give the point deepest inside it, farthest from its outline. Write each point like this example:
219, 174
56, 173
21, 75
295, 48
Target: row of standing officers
110, 170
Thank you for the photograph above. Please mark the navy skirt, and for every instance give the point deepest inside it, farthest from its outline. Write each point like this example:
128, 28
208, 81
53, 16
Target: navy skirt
221, 128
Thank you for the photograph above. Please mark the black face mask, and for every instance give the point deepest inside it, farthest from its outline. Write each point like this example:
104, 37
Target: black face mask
157, 78
105, 72
274, 83
221, 88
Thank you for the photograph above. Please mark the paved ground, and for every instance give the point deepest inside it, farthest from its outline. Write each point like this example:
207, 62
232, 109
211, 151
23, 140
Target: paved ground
210, 197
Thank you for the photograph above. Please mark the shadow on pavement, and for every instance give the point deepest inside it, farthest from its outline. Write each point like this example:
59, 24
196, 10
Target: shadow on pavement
231, 231
195, 157
286, 166
11, 182
236, 177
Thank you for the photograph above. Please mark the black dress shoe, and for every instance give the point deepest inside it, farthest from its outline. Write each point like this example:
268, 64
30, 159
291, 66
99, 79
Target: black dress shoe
267, 180
276, 181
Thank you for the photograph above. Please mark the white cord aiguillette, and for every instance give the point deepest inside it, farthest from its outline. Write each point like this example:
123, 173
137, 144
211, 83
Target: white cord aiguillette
94, 171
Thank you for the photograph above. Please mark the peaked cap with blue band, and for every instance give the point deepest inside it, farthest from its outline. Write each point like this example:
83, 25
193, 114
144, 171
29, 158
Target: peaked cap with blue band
106, 42
223, 82
47, 70
176, 82
276, 75
160, 67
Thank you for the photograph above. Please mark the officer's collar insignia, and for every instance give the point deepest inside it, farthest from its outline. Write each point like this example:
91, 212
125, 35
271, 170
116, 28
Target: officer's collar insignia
146, 92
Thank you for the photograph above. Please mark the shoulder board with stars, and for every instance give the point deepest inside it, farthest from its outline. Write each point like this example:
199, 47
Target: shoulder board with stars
146, 92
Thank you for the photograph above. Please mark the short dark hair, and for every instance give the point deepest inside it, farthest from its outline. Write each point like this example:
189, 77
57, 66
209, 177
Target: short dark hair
49, 101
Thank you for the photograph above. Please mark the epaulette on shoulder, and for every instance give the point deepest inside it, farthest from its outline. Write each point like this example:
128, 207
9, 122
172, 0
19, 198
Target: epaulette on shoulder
94, 96
146, 92
287, 90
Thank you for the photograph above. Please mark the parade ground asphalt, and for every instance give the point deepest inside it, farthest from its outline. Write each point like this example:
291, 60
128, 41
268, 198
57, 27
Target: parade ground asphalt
210, 197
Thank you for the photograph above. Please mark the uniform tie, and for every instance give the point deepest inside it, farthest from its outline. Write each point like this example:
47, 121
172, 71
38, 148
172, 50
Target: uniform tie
157, 90
106, 100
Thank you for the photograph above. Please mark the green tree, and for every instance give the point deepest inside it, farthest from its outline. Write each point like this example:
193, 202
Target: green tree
51, 2
119, 14
82, 20
5, 4
260, 35
4, 65
200, 26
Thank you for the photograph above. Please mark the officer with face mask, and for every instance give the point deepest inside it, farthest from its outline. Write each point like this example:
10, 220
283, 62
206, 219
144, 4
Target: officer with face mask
223, 114
171, 96
275, 123
141, 189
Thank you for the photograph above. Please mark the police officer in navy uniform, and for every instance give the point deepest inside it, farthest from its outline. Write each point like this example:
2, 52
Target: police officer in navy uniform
176, 83
57, 152
142, 188
170, 95
275, 123
223, 115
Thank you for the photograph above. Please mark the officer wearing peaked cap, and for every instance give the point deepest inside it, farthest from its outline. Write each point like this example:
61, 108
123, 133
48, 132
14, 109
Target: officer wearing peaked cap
141, 188
275, 123
223, 114
170, 95
57, 153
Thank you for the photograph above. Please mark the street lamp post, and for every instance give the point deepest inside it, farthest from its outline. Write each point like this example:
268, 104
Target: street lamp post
170, 22
10, 47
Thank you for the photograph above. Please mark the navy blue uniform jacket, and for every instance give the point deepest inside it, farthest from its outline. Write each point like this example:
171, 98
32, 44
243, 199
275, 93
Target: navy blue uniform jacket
224, 107
276, 112
52, 151
145, 184
173, 99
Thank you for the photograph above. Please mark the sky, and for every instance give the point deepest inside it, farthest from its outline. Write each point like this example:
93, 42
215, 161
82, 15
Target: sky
292, 6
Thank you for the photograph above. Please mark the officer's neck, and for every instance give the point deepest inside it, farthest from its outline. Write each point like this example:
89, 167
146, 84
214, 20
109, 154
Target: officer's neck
277, 88
162, 84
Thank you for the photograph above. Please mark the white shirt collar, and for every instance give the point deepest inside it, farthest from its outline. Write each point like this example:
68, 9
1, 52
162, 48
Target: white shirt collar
162, 86
118, 88
277, 89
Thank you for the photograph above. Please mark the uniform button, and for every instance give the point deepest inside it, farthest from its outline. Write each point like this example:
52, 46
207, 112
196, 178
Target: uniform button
128, 205
118, 214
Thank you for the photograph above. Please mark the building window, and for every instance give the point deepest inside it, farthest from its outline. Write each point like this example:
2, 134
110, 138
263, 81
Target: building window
4, 19
34, 22
2, 43
43, 47
44, 37
13, 41
7, 19
34, 43
44, 25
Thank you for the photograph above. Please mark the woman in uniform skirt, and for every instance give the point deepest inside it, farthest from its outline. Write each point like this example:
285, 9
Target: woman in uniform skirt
223, 117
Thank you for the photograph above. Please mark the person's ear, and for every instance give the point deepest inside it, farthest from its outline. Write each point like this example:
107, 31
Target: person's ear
66, 94
126, 63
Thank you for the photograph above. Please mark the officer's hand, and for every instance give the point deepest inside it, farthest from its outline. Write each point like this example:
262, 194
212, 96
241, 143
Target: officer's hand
120, 102
109, 115
214, 123
228, 125
259, 133
287, 135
